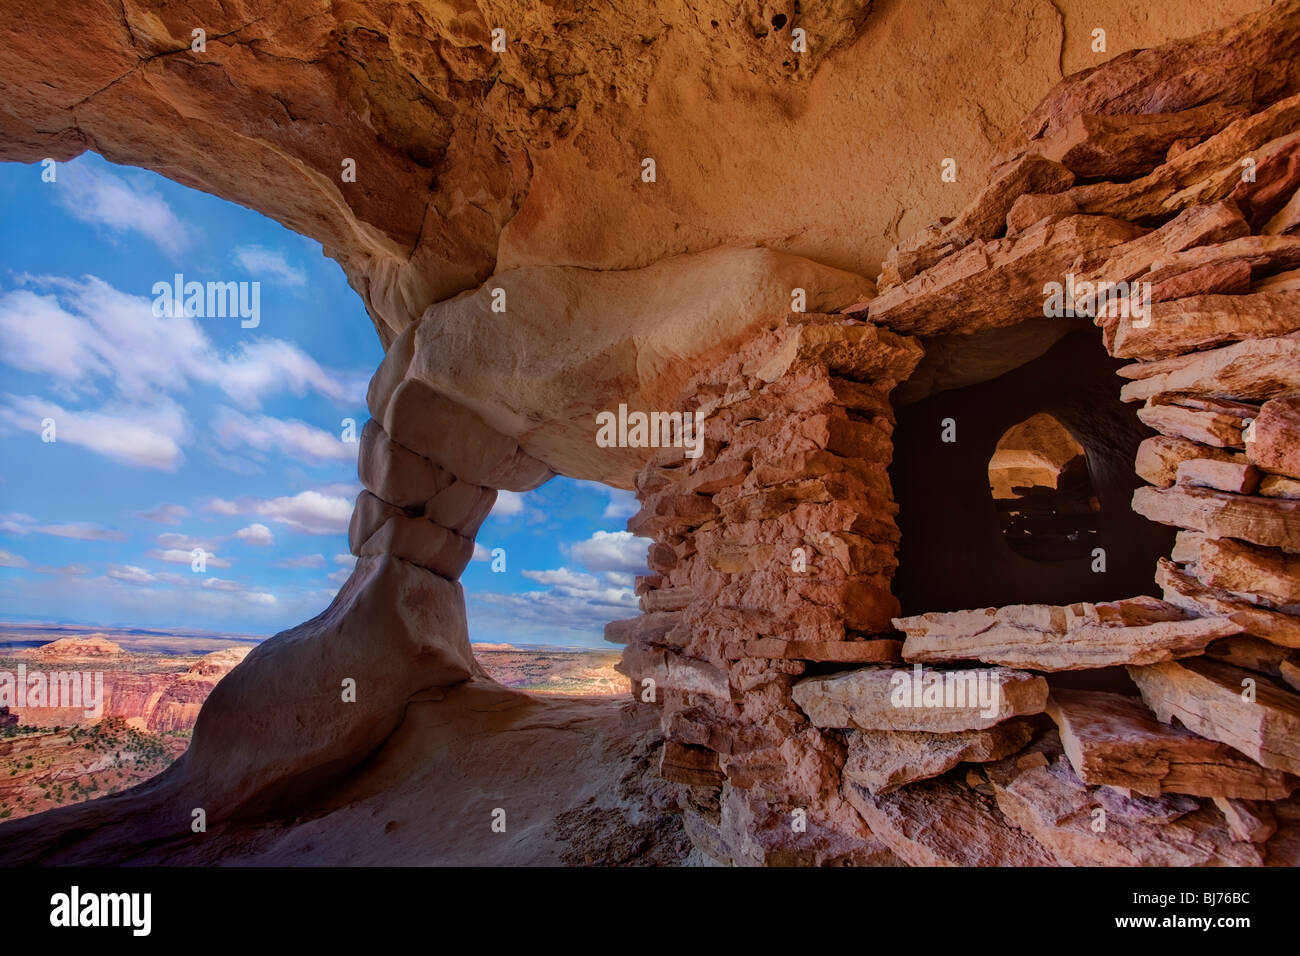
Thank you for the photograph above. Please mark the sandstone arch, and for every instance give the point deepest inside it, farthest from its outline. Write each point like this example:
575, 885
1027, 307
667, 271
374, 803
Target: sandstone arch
521, 171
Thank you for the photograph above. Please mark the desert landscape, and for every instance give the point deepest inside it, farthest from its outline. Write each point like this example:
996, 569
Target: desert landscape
153, 687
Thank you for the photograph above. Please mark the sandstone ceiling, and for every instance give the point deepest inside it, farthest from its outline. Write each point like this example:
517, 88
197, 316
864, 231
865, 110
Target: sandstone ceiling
619, 293
473, 163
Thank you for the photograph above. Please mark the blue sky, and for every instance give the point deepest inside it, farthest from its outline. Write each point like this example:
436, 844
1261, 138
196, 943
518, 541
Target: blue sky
196, 432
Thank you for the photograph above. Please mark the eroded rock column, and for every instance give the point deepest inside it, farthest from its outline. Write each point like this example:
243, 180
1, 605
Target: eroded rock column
317, 699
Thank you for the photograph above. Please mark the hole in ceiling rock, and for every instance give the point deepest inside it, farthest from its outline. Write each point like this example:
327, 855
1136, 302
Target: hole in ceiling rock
1038, 477
955, 551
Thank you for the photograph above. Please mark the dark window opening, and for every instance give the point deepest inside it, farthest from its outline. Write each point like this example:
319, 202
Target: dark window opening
963, 546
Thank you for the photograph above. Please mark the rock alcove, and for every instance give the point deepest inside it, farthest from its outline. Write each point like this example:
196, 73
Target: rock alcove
817, 528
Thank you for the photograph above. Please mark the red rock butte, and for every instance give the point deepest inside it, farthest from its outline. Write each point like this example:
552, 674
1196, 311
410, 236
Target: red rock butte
835, 246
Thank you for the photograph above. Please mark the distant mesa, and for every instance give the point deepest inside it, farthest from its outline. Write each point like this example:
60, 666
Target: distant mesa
91, 645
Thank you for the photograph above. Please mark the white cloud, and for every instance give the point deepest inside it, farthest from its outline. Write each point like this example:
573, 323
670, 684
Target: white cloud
292, 438
312, 512
84, 334
563, 578
16, 523
303, 561
309, 511
256, 534
481, 553
266, 262
174, 539
508, 504
573, 603
234, 587
178, 556
611, 551
82, 531
220, 584
131, 574
103, 198
75, 570
622, 504
345, 560
165, 514
268, 366
10, 560
147, 436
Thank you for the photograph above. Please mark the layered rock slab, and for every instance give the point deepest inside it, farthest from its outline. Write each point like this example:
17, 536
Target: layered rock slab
943, 823
1114, 740
929, 700
1086, 826
1073, 637
884, 760
1224, 703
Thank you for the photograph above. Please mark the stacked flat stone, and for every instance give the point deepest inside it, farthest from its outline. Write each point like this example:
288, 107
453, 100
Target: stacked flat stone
773, 549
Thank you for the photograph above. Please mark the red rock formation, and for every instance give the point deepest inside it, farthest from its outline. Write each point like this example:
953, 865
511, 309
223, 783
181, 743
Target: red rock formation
775, 548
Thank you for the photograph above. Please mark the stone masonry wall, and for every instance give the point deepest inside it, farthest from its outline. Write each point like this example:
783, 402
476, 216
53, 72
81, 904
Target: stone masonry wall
800, 729
774, 550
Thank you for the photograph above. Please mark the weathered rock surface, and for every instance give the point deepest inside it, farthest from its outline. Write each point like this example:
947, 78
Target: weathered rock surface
1205, 321
1158, 457
394, 630
887, 698
1086, 826
1190, 594
395, 474
1254, 370
884, 760
1044, 638
1235, 566
1276, 437
1205, 426
1239, 478
939, 823
463, 153
733, 283
1272, 522
1114, 740
1209, 698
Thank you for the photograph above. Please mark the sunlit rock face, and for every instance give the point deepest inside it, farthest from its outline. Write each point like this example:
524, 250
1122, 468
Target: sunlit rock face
810, 240
471, 160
